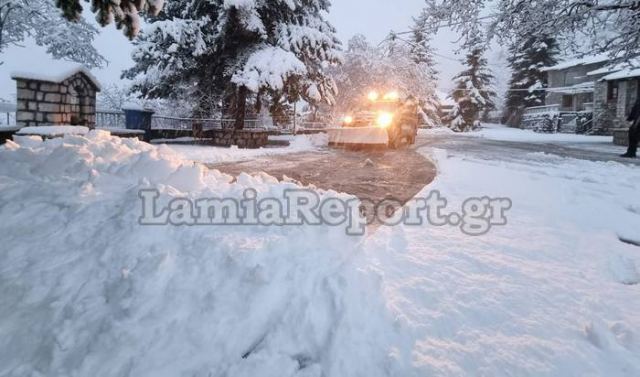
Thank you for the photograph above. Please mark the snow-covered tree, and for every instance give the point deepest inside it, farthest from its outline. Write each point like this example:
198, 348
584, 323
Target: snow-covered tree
395, 64
125, 13
251, 50
361, 72
526, 58
42, 21
473, 93
423, 56
608, 26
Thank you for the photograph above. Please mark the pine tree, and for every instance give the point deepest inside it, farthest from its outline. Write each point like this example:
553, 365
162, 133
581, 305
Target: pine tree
473, 94
252, 51
123, 12
527, 58
423, 55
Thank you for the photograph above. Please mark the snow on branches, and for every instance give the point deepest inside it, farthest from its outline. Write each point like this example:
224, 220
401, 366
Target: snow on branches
527, 57
606, 26
252, 51
39, 19
123, 12
473, 93
268, 68
406, 67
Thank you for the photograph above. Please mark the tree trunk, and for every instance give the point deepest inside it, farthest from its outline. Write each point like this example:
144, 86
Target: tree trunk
241, 107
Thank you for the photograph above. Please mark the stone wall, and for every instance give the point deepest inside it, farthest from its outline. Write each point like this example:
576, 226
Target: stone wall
608, 115
244, 139
40, 103
621, 137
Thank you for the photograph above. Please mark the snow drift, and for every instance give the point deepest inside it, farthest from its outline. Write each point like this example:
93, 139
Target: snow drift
86, 291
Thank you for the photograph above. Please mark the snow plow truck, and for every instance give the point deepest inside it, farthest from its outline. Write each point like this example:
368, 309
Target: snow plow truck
387, 121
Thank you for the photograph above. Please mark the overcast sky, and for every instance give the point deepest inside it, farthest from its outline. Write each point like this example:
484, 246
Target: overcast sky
373, 18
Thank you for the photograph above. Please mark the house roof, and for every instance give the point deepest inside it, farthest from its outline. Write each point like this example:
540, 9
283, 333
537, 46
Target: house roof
570, 63
585, 87
610, 69
58, 77
623, 74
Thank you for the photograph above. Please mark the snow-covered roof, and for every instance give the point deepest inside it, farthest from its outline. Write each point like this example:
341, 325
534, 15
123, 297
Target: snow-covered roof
585, 87
58, 77
609, 69
569, 63
623, 74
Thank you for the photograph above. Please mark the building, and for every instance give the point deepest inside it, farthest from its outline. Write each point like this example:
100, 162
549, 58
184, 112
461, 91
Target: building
571, 83
615, 94
65, 98
586, 95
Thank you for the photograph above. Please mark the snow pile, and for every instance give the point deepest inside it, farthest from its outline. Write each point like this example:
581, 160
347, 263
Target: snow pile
214, 155
87, 291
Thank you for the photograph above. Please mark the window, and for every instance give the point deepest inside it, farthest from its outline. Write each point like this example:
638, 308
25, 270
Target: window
567, 102
612, 91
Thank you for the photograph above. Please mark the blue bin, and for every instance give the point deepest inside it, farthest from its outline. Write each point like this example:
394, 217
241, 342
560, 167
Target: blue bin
139, 119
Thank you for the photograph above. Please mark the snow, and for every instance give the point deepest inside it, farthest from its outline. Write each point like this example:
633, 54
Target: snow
623, 74
553, 293
504, 133
213, 155
575, 62
85, 286
585, 87
358, 135
269, 67
58, 77
53, 131
122, 131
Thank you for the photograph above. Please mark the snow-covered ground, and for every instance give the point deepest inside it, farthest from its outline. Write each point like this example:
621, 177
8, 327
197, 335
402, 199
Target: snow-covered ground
504, 133
212, 155
85, 290
553, 293
499, 132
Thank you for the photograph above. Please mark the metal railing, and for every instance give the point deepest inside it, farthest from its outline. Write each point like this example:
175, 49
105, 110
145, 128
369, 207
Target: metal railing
117, 119
110, 119
537, 111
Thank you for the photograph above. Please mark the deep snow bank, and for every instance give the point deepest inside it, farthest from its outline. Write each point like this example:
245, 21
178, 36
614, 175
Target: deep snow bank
86, 291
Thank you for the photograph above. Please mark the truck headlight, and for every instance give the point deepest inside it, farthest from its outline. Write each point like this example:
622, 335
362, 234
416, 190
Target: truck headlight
384, 120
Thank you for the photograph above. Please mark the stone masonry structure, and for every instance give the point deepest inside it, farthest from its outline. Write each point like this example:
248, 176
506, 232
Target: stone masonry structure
45, 100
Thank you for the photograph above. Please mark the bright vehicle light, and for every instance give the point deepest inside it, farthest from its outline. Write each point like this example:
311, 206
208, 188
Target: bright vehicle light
392, 96
384, 120
347, 119
373, 96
